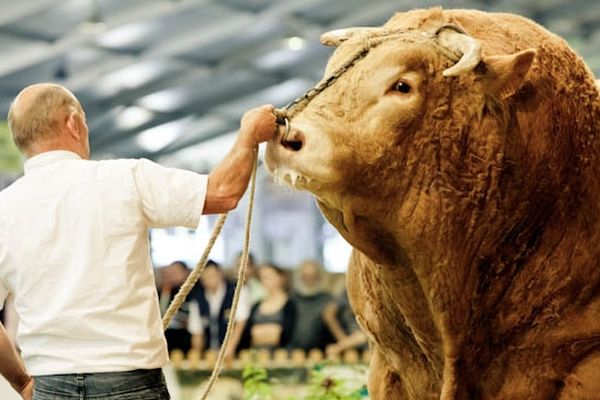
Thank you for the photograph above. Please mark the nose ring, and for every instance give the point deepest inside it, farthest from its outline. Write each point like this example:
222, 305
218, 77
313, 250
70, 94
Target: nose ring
287, 128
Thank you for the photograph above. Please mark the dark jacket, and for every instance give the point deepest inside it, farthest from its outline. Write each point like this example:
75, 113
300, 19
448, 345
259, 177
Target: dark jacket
222, 318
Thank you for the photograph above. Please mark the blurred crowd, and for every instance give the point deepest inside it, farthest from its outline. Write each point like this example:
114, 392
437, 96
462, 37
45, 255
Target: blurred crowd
301, 308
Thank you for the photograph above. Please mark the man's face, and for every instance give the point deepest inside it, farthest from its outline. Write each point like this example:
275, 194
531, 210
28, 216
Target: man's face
310, 275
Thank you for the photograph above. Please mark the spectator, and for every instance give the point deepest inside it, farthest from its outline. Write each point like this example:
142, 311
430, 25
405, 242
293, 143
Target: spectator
339, 318
215, 298
311, 298
253, 285
179, 333
272, 320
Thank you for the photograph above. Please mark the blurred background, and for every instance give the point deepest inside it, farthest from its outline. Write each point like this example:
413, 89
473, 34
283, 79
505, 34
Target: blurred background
169, 80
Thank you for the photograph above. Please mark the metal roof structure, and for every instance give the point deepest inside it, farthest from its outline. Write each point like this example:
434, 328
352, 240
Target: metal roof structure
169, 80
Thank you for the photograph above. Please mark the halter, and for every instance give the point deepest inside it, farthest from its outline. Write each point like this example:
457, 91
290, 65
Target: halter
286, 113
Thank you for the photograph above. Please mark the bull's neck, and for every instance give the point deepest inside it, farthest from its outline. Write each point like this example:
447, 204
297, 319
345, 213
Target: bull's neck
448, 287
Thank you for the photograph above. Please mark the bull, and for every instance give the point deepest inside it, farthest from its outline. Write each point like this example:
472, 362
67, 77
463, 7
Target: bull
460, 159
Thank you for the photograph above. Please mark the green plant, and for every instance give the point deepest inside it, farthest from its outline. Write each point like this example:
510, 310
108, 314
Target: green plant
256, 383
10, 158
322, 385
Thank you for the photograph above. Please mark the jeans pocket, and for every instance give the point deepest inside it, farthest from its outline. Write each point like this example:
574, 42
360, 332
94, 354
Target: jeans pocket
54, 388
39, 394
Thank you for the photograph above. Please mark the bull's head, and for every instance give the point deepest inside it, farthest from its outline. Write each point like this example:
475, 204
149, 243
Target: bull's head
389, 146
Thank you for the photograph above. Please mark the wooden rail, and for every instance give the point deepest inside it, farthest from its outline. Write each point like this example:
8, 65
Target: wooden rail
279, 358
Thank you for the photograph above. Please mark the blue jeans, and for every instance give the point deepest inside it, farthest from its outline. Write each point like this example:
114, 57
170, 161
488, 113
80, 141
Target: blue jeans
140, 384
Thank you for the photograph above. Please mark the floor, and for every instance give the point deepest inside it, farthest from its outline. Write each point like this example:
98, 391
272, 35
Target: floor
6, 392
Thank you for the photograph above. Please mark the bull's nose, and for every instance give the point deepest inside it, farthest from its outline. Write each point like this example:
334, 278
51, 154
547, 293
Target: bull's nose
294, 140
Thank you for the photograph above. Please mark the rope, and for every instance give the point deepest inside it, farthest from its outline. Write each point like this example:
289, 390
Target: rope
238, 288
197, 272
191, 280
286, 113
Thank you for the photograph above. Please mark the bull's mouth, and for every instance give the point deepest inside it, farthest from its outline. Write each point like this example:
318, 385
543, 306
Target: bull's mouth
290, 177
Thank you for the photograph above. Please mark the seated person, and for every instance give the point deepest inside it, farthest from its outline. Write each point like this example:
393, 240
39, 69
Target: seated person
171, 278
339, 318
272, 320
252, 284
310, 298
214, 297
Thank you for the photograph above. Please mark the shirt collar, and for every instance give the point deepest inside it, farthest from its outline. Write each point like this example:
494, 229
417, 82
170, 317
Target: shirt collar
219, 293
47, 158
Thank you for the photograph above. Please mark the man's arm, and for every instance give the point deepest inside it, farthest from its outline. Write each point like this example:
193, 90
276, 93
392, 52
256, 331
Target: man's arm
12, 368
229, 180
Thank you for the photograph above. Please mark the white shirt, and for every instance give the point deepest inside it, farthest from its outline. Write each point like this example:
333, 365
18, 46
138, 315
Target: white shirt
74, 251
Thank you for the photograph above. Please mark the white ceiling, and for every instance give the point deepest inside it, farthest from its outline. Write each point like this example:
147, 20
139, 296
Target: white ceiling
170, 79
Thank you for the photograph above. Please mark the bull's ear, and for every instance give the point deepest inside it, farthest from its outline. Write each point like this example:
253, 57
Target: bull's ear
336, 37
504, 74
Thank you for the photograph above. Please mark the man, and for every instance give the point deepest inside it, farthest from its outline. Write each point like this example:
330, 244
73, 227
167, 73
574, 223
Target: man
74, 250
310, 298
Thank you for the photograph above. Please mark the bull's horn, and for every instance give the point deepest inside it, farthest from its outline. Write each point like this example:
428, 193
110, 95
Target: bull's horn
336, 37
457, 40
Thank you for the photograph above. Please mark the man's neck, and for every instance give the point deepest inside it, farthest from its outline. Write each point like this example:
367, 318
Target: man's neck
44, 147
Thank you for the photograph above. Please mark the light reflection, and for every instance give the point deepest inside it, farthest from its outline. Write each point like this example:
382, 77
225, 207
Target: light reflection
159, 137
133, 117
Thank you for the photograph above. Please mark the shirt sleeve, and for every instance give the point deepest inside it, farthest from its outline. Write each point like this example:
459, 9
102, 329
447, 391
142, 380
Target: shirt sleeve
195, 326
3, 294
170, 196
243, 310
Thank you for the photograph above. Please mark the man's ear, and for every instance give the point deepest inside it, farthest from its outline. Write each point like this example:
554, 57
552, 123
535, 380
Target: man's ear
504, 75
72, 124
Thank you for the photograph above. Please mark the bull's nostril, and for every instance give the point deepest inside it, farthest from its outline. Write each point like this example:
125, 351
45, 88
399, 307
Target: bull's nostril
294, 141
294, 145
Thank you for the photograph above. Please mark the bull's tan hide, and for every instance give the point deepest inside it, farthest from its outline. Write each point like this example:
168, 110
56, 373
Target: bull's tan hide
472, 203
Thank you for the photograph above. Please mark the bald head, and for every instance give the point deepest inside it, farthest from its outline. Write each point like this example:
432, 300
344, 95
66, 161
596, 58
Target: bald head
38, 112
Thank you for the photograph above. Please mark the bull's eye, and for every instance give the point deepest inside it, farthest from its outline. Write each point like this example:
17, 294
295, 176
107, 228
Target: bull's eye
401, 87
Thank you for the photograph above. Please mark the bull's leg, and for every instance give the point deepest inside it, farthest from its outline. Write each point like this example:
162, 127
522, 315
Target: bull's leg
384, 384
583, 383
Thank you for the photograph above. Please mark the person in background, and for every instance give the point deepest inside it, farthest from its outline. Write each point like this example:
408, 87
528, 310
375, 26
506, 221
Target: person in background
311, 298
253, 286
74, 250
272, 319
180, 331
215, 298
339, 318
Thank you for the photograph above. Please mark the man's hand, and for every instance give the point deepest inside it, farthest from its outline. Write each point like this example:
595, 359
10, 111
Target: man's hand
12, 368
229, 180
27, 391
258, 125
